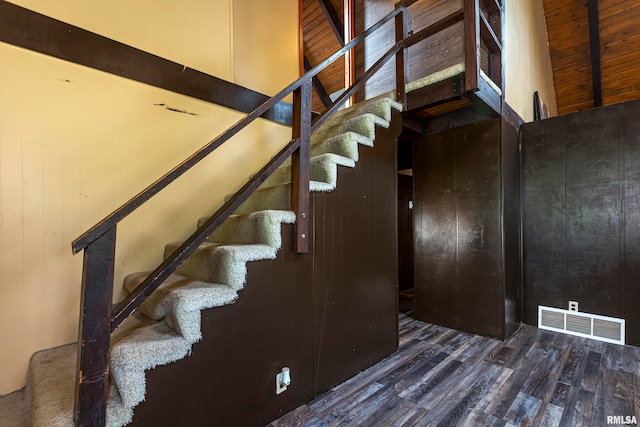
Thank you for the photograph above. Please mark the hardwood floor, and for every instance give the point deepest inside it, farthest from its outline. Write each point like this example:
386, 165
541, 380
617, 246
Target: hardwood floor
443, 377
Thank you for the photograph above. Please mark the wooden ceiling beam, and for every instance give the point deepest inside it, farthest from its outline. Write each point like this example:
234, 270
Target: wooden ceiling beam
317, 84
333, 18
594, 43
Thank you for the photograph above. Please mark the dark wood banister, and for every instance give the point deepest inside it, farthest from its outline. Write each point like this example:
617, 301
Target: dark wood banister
98, 242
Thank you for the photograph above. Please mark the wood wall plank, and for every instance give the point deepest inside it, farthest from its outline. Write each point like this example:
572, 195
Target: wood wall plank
567, 29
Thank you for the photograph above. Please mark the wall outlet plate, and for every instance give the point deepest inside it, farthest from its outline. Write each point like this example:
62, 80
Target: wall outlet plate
573, 305
283, 379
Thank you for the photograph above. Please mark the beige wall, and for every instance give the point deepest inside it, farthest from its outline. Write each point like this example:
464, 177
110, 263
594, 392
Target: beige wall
527, 59
256, 40
76, 143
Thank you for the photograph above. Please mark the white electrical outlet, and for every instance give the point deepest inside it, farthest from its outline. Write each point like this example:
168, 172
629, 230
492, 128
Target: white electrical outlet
573, 305
283, 380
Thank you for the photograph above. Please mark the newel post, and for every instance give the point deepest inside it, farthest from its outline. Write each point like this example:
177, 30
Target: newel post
402, 65
94, 332
300, 165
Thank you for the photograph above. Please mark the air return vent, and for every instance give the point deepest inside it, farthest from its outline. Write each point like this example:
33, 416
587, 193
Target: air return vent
602, 328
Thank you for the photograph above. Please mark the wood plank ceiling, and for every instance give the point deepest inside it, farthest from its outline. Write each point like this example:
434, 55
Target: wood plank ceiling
320, 41
616, 32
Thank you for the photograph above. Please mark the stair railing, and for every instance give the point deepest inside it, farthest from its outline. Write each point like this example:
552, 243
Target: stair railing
98, 319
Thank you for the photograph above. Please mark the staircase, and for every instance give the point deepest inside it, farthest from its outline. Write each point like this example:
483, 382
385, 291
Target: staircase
168, 323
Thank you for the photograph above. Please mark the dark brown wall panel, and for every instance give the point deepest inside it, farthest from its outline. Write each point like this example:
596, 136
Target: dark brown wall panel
460, 274
630, 152
580, 213
229, 379
543, 219
355, 275
511, 224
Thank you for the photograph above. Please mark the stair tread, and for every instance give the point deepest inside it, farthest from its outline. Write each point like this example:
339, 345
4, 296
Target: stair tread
381, 106
145, 347
180, 300
362, 124
320, 162
260, 227
222, 263
51, 389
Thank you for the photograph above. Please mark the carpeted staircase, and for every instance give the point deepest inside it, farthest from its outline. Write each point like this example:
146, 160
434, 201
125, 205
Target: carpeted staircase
163, 330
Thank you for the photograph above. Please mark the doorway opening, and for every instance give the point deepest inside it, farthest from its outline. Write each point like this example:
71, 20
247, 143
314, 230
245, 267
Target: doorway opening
406, 294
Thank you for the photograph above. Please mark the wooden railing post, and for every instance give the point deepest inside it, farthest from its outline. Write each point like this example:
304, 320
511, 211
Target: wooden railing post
402, 65
471, 44
300, 165
94, 332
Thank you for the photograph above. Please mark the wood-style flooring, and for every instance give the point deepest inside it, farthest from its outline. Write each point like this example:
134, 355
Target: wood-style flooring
443, 377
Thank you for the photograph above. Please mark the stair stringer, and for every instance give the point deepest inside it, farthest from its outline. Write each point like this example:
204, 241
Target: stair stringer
141, 338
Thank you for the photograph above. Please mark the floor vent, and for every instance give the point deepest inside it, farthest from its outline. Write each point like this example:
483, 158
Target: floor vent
602, 328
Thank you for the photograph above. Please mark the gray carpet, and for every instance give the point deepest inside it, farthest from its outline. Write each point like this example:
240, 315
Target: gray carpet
13, 410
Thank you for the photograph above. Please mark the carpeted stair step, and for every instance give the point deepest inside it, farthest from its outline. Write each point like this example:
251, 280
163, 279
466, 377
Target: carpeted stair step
180, 300
380, 106
277, 197
345, 145
50, 387
51, 390
262, 227
137, 346
323, 168
364, 124
224, 264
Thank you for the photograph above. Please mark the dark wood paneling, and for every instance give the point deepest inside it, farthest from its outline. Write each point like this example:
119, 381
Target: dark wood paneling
355, 270
463, 279
630, 189
581, 216
30, 30
444, 90
229, 379
511, 228
592, 213
543, 202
